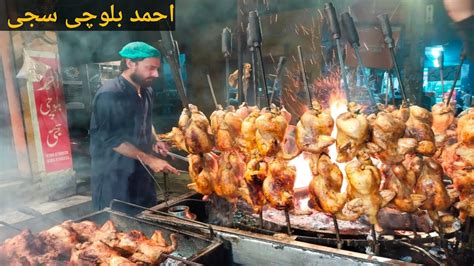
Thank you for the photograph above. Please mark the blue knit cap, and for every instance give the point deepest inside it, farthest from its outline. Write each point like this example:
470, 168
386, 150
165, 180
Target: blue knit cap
136, 50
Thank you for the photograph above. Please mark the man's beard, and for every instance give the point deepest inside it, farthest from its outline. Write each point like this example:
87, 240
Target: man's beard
135, 77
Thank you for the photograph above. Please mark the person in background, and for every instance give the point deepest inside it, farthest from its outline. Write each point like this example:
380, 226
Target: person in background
122, 134
462, 14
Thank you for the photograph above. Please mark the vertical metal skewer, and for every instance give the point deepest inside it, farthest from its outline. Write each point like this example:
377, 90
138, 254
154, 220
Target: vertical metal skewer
441, 71
227, 51
387, 32
456, 77
338, 235
387, 89
170, 49
260, 214
375, 244
353, 38
254, 39
212, 91
281, 62
288, 224
336, 34
392, 89
303, 76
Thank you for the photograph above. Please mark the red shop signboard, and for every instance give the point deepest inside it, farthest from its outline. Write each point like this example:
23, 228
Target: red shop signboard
52, 116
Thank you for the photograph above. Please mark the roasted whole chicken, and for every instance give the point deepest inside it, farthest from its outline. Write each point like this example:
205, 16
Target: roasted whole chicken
325, 188
247, 140
26, 249
458, 164
430, 184
97, 253
226, 125
271, 128
176, 138
388, 144
402, 182
443, 117
352, 133
196, 130
278, 186
255, 173
418, 127
364, 183
313, 131
230, 177
203, 172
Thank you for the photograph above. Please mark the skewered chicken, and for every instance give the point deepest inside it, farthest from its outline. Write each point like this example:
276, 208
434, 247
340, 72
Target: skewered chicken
418, 126
352, 133
403, 113
402, 182
203, 171
443, 117
196, 129
430, 184
255, 173
248, 131
325, 187
230, 176
175, 137
364, 182
244, 110
458, 164
226, 126
313, 131
387, 143
271, 128
278, 186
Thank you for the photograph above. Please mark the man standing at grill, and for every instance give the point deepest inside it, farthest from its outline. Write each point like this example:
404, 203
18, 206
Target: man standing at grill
122, 133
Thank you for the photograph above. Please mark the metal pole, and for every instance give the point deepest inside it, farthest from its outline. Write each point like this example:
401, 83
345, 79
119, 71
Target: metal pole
281, 62
456, 77
338, 235
336, 34
353, 38
303, 75
264, 79
288, 224
387, 32
212, 91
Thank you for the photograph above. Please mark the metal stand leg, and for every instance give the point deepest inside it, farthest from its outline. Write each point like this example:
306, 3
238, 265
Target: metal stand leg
375, 244
338, 236
288, 224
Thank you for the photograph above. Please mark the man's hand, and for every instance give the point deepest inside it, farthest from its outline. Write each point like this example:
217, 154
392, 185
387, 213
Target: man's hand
459, 9
161, 148
158, 165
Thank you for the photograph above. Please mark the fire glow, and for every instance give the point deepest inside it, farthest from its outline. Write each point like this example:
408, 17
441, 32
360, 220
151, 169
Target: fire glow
338, 105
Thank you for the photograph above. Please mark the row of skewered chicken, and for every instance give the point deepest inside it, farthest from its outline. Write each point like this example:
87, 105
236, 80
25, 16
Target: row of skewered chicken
410, 146
84, 243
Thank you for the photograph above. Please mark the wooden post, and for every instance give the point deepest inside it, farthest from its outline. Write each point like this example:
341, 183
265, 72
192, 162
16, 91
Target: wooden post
14, 106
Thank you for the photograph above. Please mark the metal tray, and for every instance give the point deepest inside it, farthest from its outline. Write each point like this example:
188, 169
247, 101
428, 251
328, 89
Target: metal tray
192, 247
